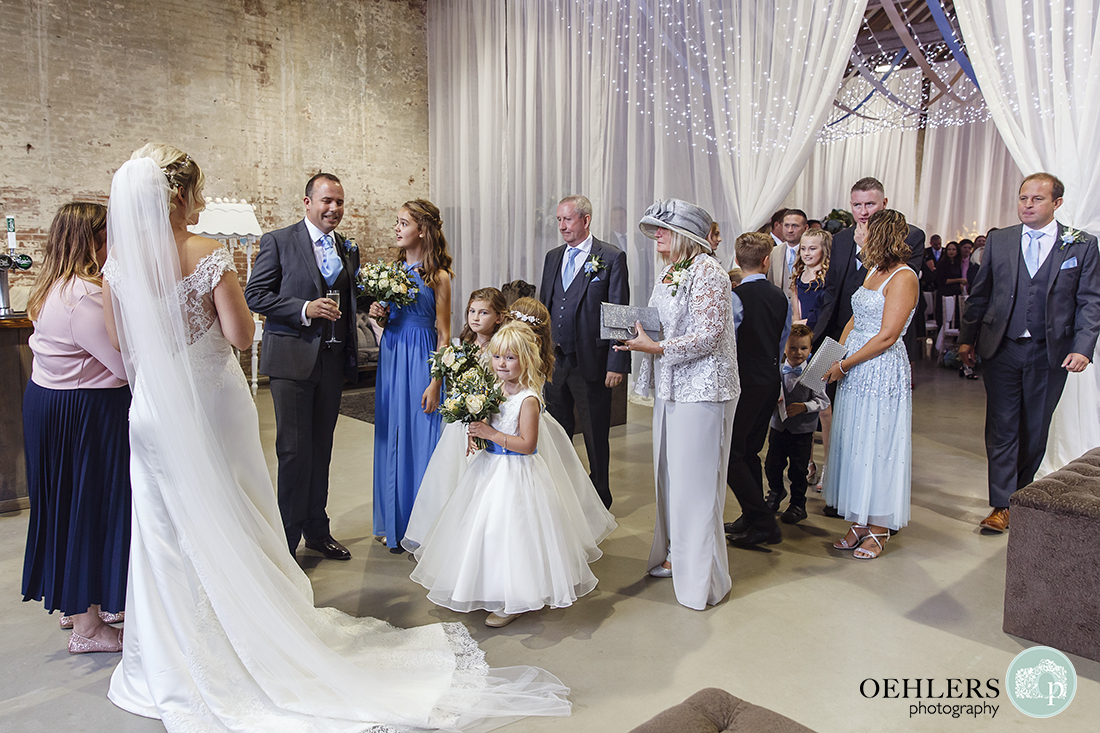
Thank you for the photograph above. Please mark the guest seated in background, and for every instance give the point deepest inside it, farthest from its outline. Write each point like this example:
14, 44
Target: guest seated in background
762, 317
791, 431
75, 427
870, 457
694, 371
968, 268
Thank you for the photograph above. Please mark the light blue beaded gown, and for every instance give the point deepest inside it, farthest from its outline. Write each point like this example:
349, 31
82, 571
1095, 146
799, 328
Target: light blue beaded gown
870, 457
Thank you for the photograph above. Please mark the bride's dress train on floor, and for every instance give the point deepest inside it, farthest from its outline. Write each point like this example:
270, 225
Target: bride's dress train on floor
221, 631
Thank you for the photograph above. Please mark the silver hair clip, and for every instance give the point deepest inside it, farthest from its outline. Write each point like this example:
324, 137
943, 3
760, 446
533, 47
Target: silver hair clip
525, 318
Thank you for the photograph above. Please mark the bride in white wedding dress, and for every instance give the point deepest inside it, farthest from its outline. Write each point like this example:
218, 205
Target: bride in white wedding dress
221, 631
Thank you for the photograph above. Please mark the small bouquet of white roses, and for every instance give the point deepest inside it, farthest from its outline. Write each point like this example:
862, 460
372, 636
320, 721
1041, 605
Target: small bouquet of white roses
451, 361
473, 396
387, 282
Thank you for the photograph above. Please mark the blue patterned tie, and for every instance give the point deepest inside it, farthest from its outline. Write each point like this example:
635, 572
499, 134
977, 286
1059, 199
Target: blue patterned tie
570, 267
330, 261
791, 257
1031, 252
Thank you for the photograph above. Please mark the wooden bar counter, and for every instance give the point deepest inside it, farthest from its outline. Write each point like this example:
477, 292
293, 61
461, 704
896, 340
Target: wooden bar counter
15, 371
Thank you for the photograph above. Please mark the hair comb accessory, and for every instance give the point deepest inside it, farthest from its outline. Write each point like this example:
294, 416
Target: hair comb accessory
525, 318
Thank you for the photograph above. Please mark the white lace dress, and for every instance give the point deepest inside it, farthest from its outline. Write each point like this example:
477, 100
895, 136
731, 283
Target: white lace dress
221, 631
512, 536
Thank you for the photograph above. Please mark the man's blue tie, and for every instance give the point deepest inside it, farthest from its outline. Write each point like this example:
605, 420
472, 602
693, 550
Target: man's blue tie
1031, 252
570, 267
330, 261
792, 255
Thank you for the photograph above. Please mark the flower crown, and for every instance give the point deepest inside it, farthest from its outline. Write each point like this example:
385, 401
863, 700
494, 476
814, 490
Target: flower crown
525, 318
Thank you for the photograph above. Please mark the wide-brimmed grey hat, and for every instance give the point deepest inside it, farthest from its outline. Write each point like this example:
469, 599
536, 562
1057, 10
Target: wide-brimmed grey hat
678, 216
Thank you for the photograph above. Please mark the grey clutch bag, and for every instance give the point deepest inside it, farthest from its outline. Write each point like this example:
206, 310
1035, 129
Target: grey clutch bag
827, 354
618, 322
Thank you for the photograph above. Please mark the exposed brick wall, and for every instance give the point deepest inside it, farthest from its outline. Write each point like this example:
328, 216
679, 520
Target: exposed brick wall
262, 93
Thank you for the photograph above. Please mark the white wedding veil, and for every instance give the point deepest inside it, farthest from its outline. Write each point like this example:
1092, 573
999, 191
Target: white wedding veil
221, 627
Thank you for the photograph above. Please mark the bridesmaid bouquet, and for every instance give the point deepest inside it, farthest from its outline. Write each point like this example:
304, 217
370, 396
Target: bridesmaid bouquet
450, 362
387, 282
474, 395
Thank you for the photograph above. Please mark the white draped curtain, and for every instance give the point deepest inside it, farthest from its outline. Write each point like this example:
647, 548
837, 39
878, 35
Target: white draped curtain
1038, 64
625, 101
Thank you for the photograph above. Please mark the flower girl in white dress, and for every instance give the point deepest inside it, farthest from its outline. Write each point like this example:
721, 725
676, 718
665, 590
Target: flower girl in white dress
513, 536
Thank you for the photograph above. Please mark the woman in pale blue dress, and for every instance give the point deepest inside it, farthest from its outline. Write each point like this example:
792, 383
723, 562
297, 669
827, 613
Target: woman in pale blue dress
871, 452
406, 418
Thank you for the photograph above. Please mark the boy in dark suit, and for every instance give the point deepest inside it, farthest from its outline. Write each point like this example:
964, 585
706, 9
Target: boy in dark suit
762, 317
791, 433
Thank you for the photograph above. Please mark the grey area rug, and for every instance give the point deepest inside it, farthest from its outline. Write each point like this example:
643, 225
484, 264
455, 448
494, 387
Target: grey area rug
358, 404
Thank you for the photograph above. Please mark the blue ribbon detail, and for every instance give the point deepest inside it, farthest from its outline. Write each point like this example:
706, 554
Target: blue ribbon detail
948, 34
500, 450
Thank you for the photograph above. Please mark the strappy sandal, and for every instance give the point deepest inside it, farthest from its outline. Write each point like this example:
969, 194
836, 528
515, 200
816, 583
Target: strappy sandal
844, 544
868, 553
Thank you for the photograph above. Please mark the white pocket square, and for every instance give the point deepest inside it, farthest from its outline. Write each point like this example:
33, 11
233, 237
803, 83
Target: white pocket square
1071, 262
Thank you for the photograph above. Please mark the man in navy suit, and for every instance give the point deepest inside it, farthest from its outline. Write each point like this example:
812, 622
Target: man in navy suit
294, 270
576, 278
1033, 315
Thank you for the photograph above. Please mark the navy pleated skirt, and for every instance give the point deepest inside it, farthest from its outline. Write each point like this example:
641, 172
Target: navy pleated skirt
78, 478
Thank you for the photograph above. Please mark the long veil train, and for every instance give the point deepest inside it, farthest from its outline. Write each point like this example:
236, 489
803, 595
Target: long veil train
221, 630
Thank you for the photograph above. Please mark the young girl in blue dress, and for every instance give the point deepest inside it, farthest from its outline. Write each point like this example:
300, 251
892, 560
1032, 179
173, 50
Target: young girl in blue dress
407, 422
808, 289
513, 536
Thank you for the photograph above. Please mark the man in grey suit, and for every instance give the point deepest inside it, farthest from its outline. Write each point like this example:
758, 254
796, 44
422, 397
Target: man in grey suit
1032, 315
309, 348
576, 278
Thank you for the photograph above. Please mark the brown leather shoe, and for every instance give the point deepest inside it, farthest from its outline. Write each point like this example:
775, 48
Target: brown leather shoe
997, 521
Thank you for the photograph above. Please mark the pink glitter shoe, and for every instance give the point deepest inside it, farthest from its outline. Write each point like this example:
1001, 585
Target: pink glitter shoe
107, 618
81, 645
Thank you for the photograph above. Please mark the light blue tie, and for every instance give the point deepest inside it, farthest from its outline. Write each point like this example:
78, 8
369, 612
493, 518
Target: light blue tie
330, 261
570, 267
1031, 252
791, 256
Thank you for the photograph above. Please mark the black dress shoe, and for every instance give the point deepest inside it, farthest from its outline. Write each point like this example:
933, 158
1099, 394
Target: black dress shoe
756, 536
773, 499
737, 526
793, 515
330, 548
830, 511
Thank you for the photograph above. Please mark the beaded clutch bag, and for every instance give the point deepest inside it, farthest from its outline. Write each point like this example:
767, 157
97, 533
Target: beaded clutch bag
618, 322
827, 354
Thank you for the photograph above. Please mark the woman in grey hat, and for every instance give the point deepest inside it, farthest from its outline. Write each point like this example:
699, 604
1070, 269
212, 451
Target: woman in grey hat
695, 375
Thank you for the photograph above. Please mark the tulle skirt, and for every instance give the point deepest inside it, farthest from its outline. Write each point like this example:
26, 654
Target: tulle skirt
78, 480
449, 463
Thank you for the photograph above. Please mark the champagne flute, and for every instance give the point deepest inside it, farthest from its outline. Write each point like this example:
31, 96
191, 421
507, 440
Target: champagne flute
333, 295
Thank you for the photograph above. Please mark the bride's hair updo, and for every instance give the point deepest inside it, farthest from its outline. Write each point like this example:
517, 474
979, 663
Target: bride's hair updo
184, 175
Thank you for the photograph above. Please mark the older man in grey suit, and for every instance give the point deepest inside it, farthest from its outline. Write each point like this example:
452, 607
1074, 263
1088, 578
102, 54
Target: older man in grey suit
309, 348
1032, 315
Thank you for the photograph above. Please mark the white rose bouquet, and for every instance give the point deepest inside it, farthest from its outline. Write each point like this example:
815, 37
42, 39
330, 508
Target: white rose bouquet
387, 282
473, 396
451, 361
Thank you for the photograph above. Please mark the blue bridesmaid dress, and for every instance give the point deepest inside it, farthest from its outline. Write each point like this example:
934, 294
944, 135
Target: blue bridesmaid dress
404, 437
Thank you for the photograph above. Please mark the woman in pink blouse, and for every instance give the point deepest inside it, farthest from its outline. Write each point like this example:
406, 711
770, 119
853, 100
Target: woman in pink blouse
77, 447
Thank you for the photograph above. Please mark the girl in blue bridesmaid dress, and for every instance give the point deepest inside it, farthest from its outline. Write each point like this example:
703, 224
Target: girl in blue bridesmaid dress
406, 418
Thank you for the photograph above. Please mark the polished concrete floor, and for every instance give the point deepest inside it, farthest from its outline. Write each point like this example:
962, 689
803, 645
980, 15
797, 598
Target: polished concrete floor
801, 630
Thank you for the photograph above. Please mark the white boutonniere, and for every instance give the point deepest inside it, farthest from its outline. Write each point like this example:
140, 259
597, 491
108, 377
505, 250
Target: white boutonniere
1071, 235
594, 264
